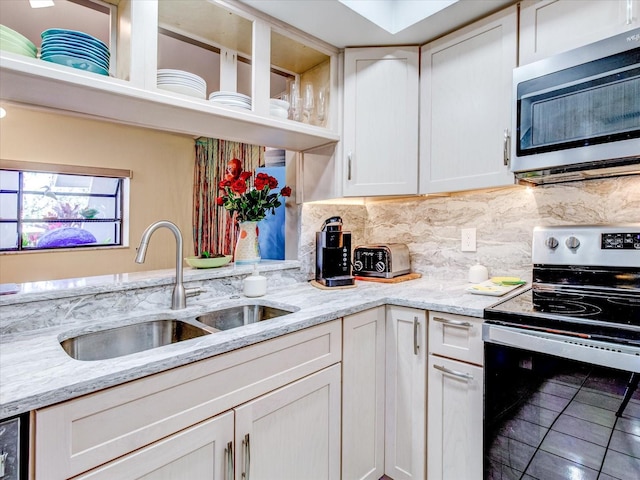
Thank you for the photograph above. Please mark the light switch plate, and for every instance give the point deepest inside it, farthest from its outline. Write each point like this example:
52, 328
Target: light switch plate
468, 239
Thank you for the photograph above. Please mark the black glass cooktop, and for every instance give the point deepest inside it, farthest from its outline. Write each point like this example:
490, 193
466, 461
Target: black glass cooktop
600, 315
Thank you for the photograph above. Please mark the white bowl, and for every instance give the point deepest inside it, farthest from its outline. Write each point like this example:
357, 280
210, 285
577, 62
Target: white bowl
280, 103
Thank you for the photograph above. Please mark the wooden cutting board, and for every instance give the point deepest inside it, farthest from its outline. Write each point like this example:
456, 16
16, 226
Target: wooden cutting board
401, 278
324, 287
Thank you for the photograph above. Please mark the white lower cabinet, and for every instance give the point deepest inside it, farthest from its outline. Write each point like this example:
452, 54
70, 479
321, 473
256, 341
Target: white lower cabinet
384, 394
284, 393
204, 451
292, 433
406, 392
455, 399
455, 420
363, 394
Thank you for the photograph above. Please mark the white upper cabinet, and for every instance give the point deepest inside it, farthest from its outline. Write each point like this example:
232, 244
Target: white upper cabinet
548, 27
465, 102
380, 148
232, 47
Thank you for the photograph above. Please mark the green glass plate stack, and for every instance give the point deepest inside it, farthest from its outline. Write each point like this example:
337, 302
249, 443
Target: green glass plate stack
12, 41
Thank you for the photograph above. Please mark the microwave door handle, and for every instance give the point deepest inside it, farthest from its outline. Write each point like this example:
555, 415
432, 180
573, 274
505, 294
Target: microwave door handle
506, 146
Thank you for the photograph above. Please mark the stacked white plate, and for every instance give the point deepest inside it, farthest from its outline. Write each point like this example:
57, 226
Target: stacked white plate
179, 81
75, 49
231, 99
279, 108
12, 41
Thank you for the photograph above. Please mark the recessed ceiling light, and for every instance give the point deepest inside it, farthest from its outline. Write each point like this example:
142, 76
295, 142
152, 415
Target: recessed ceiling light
41, 3
3, 112
396, 15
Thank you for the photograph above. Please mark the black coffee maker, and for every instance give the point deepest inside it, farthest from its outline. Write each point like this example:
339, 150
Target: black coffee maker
333, 254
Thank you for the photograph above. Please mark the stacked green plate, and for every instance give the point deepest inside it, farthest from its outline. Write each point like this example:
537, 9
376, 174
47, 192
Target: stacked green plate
12, 41
75, 49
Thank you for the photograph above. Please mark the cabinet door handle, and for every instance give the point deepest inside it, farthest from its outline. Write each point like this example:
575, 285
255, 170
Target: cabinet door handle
416, 347
247, 457
228, 452
349, 166
506, 146
455, 373
629, 12
455, 323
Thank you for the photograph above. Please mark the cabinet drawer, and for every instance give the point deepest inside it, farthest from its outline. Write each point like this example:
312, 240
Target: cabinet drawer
456, 336
75, 436
454, 408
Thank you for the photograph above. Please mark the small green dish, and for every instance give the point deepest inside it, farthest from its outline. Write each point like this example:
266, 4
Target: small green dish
197, 262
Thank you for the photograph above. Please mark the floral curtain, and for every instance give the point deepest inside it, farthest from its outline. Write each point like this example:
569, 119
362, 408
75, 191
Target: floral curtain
213, 228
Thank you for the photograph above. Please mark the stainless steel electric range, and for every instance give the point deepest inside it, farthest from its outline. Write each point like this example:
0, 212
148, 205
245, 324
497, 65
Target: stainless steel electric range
562, 360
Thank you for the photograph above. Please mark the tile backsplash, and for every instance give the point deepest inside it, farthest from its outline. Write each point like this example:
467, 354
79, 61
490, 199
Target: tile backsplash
503, 218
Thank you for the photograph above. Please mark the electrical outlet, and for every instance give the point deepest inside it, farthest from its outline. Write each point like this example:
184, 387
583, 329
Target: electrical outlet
468, 239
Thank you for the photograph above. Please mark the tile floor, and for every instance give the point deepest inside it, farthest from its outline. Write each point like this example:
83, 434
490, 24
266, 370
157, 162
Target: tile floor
568, 430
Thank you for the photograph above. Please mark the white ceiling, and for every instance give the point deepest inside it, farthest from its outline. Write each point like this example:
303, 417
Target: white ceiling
338, 25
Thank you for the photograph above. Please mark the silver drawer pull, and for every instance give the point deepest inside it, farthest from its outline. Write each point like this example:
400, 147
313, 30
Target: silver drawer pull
463, 375
457, 323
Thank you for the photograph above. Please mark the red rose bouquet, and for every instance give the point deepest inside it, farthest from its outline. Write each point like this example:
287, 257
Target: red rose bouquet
251, 203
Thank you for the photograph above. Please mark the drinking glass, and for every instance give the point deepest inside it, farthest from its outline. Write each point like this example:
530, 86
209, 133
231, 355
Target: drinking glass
321, 108
296, 102
308, 102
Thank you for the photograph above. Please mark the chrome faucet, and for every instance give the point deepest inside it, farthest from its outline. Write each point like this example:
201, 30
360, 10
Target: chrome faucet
179, 297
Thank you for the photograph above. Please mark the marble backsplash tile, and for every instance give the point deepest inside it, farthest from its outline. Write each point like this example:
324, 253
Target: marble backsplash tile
504, 220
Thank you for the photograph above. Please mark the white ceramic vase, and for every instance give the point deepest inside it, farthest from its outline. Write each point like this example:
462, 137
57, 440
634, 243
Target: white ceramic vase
247, 248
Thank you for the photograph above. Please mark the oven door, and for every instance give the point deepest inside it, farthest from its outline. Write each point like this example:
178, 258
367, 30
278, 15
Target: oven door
559, 407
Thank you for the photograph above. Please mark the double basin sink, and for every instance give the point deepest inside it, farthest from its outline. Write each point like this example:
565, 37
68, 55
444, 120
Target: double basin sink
119, 341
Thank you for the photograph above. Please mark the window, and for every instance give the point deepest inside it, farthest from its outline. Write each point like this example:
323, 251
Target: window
65, 207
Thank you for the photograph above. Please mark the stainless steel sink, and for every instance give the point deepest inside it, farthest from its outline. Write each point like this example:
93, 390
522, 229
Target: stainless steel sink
116, 342
240, 315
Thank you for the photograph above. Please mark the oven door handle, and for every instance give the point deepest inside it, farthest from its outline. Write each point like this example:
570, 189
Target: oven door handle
588, 351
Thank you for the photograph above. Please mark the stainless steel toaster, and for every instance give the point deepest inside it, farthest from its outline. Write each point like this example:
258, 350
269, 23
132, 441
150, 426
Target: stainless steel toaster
387, 260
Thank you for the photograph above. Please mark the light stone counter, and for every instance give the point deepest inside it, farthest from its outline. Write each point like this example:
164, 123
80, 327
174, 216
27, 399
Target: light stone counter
36, 372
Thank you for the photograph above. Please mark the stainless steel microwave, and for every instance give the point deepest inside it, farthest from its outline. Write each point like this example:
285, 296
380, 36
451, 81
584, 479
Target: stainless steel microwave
577, 114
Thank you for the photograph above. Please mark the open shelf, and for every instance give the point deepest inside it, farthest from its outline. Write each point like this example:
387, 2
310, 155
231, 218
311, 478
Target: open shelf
33, 82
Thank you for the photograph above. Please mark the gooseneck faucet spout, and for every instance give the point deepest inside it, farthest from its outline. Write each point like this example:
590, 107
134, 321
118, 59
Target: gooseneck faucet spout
179, 297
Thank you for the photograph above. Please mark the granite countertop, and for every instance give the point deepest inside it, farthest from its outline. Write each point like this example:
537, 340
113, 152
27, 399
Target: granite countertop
35, 372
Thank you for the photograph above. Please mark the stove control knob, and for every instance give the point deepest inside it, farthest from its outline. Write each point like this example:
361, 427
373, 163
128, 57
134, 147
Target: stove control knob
357, 265
551, 242
572, 242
